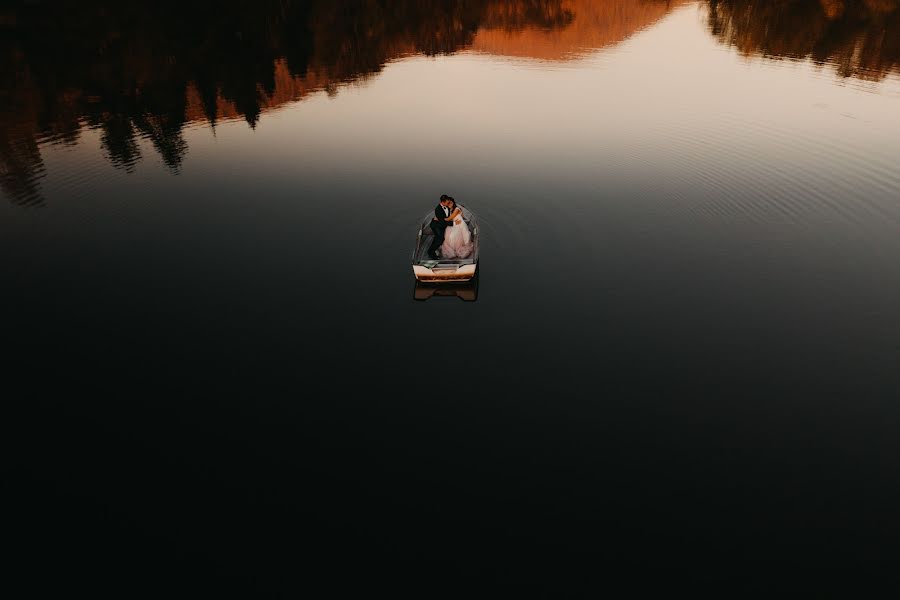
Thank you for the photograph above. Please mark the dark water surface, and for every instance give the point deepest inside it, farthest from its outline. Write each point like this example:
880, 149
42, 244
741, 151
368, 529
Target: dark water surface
678, 370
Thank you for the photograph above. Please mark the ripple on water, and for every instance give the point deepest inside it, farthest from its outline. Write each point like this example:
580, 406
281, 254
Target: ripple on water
736, 168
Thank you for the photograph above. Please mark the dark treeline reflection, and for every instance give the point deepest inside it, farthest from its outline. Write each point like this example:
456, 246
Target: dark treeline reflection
144, 69
860, 38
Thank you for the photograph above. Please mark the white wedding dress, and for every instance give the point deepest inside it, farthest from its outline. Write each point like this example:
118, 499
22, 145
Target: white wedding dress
457, 240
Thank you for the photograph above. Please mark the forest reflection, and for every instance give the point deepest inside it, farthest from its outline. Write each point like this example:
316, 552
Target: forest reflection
144, 70
860, 38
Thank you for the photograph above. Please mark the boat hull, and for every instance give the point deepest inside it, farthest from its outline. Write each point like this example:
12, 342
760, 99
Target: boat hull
445, 273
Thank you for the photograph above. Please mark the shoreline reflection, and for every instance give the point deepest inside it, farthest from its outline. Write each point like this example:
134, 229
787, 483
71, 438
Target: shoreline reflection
138, 70
858, 38
145, 71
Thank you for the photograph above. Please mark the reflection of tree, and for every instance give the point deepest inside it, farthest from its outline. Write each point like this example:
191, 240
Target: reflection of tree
569, 30
513, 16
118, 140
138, 71
20, 167
141, 70
20, 160
861, 38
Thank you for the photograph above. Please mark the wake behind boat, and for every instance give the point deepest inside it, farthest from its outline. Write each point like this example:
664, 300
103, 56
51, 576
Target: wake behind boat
445, 270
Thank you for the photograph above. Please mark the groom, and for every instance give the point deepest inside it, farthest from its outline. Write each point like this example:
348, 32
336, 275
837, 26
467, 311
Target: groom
439, 225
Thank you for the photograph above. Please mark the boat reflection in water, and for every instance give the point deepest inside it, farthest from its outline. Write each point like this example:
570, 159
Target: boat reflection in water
467, 292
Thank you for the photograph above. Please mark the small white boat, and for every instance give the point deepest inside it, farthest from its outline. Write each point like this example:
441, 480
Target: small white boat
450, 270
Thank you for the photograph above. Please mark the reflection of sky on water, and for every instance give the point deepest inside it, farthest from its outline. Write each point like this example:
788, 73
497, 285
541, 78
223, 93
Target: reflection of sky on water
546, 36
623, 88
696, 111
689, 141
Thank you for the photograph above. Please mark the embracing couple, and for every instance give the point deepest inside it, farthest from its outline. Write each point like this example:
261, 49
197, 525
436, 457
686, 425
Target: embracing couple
451, 233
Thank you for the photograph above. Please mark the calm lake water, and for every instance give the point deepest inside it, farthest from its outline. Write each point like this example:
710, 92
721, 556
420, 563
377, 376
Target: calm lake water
678, 369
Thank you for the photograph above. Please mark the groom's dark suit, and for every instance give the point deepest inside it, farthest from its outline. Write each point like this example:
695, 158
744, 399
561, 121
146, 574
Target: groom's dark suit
439, 228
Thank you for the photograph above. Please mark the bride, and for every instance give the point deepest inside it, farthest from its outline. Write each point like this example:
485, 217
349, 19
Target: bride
458, 239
